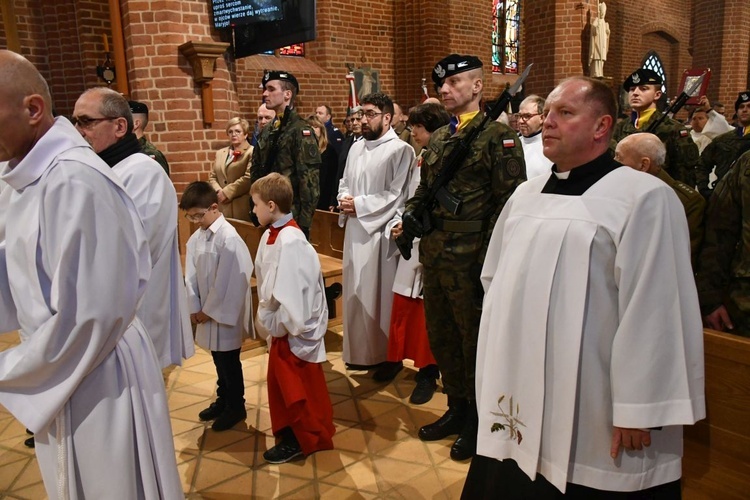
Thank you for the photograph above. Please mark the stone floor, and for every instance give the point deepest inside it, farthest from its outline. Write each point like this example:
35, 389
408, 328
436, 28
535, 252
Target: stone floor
376, 455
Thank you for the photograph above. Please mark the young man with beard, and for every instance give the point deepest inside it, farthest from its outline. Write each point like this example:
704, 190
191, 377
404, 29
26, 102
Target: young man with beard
371, 190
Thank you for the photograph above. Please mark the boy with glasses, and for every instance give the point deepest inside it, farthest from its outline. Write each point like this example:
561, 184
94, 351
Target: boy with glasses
218, 267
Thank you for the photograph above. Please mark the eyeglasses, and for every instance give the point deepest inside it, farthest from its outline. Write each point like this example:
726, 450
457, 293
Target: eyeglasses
196, 217
526, 116
371, 114
85, 122
235, 132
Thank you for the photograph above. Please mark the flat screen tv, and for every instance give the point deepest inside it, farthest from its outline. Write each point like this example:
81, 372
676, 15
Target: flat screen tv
296, 26
228, 13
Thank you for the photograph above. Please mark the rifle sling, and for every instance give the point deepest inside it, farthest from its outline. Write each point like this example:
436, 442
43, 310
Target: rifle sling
460, 226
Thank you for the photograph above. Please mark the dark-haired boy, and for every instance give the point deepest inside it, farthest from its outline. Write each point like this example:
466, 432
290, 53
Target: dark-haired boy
293, 317
218, 267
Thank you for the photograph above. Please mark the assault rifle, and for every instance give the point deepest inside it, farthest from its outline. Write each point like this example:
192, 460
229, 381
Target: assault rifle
437, 191
677, 104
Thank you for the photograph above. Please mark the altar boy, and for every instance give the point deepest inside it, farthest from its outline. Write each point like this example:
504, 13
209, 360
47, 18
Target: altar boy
293, 314
218, 267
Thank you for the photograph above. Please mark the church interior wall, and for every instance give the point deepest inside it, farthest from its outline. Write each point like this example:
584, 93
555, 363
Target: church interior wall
400, 40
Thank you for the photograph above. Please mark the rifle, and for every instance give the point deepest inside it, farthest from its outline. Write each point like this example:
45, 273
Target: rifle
437, 191
677, 104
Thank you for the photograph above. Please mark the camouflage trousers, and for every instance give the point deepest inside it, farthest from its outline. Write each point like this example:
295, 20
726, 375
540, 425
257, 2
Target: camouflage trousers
738, 306
453, 310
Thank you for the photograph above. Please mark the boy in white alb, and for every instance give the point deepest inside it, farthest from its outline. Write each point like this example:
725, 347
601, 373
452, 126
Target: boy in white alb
293, 314
218, 267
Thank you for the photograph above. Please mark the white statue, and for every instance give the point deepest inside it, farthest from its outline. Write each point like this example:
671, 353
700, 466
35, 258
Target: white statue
599, 43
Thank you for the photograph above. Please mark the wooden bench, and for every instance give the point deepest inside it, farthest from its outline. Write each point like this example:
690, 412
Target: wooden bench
716, 462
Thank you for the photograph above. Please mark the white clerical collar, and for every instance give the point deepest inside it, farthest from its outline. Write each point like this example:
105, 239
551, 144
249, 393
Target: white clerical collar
284, 220
62, 136
388, 136
561, 175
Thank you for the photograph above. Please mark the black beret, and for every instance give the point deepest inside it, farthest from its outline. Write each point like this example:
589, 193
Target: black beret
279, 75
453, 65
138, 107
742, 97
642, 77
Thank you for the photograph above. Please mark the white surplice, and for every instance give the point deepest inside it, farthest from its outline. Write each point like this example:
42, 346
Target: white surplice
375, 175
86, 379
218, 267
291, 293
163, 309
533, 154
590, 320
7, 307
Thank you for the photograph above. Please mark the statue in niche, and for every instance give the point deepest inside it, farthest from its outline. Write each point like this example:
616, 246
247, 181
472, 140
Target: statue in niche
599, 43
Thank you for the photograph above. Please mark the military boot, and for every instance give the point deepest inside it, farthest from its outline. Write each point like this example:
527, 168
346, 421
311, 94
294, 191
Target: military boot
450, 423
465, 446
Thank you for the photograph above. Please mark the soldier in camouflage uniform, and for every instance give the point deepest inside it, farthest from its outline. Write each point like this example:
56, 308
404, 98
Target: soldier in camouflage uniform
645, 152
453, 252
644, 89
288, 146
724, 273
140, 122
726, 148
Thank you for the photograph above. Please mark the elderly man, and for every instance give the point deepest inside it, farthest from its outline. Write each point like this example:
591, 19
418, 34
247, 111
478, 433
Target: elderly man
289, 147
140, 122
646, 153
644, 90
85, 378
590, 356
530, 124
452, 254
103, 118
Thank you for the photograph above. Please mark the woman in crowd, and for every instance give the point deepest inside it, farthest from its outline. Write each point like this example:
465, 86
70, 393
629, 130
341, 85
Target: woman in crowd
230, 176
329, 167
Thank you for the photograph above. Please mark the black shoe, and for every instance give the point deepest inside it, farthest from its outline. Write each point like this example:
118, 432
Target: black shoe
465, 446
29, 432
452, 422
212, 412
29, 443
423, 391
387, 371
229, 418
283, 452
352, 366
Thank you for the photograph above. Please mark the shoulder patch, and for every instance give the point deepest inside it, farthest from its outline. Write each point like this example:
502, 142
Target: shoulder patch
683, 133
508, 143
512, 167
306, 132
312, 150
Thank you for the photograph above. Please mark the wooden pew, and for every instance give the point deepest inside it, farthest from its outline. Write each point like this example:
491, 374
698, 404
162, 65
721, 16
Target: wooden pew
716, 463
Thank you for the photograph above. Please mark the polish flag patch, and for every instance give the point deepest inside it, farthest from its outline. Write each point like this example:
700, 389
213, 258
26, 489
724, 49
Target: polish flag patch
306, 132
683, 133
508, 143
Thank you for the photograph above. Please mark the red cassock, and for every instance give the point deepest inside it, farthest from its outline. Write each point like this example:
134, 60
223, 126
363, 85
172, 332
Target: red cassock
298, 398
408, 334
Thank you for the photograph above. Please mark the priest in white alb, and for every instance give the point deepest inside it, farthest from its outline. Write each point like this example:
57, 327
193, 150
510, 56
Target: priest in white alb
370, 192
85, 379
164, 310
590, 354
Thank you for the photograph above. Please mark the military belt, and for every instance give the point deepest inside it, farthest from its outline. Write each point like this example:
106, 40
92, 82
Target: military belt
460, 226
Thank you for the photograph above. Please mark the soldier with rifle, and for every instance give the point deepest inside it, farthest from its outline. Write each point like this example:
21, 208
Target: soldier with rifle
455, 232
644, 89
288, 146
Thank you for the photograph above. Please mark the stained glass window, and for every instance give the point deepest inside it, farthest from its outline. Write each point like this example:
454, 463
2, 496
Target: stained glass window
506, 26
653, 62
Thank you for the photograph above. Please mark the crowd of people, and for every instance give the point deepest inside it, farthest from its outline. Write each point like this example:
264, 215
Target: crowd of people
553, 281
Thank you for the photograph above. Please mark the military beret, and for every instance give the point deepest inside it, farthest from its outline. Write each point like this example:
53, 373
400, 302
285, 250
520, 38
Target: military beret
138, 107
742, 97
642, 77
279, 75
453, 65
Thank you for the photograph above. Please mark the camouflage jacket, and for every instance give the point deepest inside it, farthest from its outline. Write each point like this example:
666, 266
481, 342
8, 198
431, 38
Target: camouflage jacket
298, 159
484, 182
682, 153
695, 207
149, 149
726, 245
720, 153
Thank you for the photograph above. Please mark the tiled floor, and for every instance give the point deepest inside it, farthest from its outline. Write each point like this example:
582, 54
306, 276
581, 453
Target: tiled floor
376, 455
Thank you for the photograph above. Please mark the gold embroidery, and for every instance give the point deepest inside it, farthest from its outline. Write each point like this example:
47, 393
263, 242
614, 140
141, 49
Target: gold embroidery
512, 422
